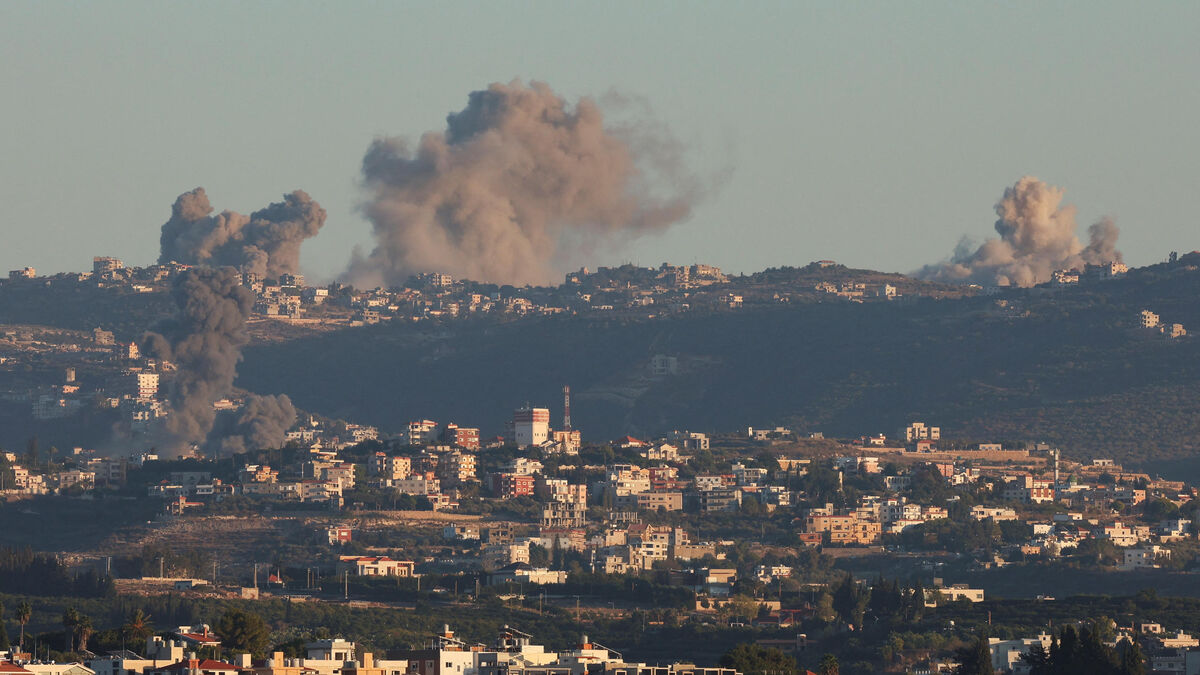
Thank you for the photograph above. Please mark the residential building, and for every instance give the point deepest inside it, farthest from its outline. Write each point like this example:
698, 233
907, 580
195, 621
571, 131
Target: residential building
382, 566
530, 426
918, 431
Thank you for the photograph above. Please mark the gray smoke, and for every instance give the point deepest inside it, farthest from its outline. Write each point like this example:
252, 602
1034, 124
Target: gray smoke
1037, 237
267, 242
261, 423
517, 184
204, 342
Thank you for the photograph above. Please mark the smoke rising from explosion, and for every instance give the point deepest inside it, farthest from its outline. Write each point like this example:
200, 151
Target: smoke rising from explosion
262, 422
517, 184
267, 242
1037, 237
204, 342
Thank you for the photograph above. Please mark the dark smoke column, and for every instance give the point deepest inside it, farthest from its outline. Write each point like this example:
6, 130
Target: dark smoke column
204, 342
517, 183
267, 242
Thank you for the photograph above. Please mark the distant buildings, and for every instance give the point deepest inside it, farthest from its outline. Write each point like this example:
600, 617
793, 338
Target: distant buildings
918, 431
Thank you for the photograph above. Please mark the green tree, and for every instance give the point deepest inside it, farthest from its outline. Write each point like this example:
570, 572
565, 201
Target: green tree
751, 659
1132, 660
70, 619
243, 631
83, 631
24, 614
975, 659
4, 642
825, 610
137, 627
829, 665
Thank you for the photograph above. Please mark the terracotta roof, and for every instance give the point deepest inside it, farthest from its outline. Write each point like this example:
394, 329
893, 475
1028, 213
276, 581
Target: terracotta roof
201, 637
203, 665
10, 667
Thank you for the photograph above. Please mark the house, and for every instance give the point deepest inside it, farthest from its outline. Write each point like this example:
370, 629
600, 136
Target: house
1144, 558
523, 573
196, 637
1007, 654
339, 535
192, 666
951, 593
383, 566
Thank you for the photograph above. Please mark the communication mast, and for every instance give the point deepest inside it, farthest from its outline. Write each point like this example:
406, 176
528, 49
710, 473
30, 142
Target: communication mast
567, 408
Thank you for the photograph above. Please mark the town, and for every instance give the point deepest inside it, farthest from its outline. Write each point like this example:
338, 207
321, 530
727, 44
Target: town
788, 544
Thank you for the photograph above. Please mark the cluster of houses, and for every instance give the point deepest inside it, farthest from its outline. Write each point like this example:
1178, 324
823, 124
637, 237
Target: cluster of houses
1151, 321
512, 653
1165, 651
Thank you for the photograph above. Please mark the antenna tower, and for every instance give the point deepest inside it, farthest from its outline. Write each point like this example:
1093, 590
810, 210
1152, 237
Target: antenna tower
567, 408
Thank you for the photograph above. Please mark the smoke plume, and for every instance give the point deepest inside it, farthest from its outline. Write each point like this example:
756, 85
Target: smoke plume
517, 184
204, 342
267, 242
1037, 237
262, 422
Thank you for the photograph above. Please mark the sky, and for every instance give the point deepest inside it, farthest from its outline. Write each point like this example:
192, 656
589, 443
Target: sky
874, 134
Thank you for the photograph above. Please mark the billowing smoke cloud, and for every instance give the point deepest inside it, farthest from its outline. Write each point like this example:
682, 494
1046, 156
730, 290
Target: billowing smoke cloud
1037, 237
517, 184
262, 422
204, 341
267, 242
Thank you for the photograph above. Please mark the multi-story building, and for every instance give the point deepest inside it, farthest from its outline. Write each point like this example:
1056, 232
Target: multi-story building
844, 529
420, 485
1029, 490
530, 426
393, 467
422, 432
564, 515
466, 438
511, 485
456, 468
918, 431
656, 500
719, 499
146, 385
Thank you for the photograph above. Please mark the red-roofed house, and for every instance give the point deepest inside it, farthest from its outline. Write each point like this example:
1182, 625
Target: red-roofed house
198, 636
197, 666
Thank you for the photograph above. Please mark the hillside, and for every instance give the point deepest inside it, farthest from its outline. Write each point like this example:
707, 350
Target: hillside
1067, 366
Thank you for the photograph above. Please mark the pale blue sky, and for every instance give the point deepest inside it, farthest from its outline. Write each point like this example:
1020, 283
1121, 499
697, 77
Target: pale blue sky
876, 134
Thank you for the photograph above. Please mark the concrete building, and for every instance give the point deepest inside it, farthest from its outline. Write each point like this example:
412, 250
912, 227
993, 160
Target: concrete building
530, 426
383, 566
389, 468
918, 431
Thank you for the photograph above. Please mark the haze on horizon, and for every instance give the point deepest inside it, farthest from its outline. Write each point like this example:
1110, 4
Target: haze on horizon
875, 135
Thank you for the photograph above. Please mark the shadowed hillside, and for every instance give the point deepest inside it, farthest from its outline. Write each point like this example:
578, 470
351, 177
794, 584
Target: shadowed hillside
1069, 367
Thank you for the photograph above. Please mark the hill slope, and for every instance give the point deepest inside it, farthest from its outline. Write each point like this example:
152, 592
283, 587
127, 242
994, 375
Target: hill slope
1069, 367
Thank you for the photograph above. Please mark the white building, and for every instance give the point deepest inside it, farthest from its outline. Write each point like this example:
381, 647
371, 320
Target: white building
1144, 558
147, 385
531, 426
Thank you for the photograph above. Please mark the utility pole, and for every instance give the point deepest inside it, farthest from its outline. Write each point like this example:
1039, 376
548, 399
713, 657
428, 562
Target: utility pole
256, 576
346, 584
